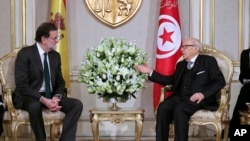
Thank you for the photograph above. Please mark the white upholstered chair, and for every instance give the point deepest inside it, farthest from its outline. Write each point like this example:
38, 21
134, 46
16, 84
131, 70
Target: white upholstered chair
13, 118
220, 118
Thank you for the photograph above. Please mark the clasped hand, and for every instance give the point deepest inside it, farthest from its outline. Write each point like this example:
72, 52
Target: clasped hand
52, 104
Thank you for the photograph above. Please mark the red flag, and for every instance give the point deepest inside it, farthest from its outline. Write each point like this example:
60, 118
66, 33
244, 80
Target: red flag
168, 42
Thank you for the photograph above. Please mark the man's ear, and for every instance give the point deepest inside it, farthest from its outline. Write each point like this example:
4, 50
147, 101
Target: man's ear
43, 39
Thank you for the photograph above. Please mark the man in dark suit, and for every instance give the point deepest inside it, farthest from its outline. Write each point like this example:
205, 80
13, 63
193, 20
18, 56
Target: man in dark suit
30, 84
243, 97
194, 88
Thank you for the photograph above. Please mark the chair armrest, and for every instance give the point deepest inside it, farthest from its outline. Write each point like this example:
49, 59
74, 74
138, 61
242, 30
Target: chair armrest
164, 89
9, 104
167, 88
224, 101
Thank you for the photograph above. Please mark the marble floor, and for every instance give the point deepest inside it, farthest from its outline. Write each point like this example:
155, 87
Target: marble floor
146, 139
123, 139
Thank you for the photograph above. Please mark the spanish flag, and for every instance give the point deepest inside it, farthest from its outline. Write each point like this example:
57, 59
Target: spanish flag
58, 17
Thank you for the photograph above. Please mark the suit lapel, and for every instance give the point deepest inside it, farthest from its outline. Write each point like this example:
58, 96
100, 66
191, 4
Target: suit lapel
37, 58
183, 67
181, 71
196, 64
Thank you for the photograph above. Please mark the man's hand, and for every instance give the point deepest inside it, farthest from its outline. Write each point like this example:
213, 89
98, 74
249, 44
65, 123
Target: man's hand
51, 104
197, 97
145, 68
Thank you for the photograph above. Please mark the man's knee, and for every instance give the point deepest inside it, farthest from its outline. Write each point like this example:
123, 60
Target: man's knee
164, 108
179, 110
77, 105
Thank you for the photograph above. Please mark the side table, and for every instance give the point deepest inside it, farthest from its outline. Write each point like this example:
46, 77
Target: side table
245, 117
116, 117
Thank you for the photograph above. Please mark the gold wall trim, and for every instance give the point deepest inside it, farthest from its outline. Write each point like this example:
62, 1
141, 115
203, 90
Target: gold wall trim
201, 19
13, 29
23, 22
241, 36
190, 18
241, 39
212, 22
13, 24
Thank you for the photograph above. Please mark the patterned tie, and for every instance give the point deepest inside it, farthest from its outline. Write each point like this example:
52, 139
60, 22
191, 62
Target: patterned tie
46, 77
190, 65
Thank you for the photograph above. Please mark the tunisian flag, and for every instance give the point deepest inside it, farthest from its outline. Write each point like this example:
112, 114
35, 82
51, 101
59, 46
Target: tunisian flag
58, 17
168, 43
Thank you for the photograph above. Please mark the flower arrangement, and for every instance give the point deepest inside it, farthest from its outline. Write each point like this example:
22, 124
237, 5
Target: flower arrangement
108, 69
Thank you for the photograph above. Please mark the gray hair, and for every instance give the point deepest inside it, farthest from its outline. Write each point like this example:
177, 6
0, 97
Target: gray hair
197, 43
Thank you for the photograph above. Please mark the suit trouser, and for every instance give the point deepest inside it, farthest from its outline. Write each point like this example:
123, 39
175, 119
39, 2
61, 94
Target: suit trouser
72, 109
177, 109
240, 105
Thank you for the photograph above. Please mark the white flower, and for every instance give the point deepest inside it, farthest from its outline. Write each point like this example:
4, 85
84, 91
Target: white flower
108, 70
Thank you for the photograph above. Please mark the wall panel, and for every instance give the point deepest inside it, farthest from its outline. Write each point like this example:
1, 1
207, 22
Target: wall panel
85, 31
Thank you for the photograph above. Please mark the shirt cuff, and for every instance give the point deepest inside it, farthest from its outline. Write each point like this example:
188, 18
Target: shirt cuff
150, 74
41, 98
60, 96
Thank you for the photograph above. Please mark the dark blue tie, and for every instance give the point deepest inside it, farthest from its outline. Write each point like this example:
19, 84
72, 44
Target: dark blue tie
190, 65
46, 77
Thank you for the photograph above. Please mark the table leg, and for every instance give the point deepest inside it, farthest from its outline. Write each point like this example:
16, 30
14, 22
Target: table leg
138, 127
95, 128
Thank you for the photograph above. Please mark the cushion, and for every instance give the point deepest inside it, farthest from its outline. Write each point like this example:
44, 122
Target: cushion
23, 115
207, 115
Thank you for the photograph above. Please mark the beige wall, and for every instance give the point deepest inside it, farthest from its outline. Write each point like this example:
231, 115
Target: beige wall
85, 31
4, 27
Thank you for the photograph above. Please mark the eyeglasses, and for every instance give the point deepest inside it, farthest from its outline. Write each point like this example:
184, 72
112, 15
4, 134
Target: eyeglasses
57, 38
186, 46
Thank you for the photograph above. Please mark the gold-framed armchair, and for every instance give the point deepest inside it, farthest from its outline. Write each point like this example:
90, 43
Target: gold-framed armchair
220, 118
13, 117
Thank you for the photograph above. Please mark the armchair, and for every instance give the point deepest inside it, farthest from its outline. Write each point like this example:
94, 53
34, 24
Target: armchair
14, 117
219, 118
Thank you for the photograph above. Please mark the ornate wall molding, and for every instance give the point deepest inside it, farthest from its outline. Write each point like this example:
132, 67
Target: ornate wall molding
113, 12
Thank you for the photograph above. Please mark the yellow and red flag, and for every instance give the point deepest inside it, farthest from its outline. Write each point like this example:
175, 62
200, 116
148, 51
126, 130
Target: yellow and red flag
58, 17
168, 42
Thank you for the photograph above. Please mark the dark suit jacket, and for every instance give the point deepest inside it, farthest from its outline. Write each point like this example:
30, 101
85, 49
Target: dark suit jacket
244, 65
29, 74
206, 78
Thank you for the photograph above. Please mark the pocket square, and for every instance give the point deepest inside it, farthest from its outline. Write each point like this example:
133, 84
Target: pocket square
200, 72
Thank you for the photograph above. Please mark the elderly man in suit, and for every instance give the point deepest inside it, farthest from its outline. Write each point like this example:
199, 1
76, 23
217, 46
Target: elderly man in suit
40, 84
195, 88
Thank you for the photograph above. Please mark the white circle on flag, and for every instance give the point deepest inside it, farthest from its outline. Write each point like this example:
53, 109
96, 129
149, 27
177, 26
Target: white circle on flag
168, 47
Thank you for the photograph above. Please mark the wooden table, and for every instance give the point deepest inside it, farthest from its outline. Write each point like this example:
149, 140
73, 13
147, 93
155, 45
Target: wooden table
245, 117
116, 117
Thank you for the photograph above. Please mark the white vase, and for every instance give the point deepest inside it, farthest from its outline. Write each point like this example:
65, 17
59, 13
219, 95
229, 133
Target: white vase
113, 101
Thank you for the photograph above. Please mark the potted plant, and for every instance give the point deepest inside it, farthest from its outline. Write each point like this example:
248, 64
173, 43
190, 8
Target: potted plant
108, 69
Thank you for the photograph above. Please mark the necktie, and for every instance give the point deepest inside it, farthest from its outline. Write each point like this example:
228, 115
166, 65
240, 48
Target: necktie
190, 65
46, 77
